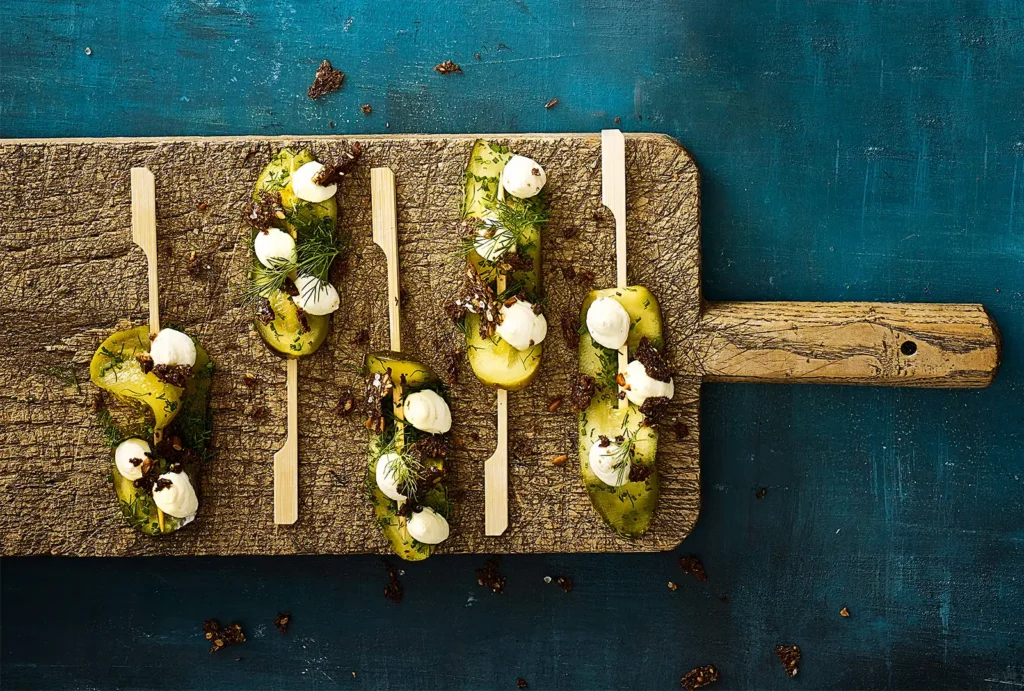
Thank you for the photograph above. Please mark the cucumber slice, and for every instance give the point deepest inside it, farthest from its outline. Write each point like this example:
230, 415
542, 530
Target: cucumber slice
115, 369
417, 377
626, 509
287, 334
494, 361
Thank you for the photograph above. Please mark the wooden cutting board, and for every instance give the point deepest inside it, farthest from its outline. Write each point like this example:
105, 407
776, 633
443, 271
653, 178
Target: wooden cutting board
71, 273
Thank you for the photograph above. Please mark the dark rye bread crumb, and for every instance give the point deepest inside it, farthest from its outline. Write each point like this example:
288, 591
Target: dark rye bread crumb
327, 80
652, 361
699, 677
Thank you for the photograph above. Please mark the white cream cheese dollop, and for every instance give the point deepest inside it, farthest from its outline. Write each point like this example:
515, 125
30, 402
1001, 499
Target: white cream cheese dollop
523, 177
427, 526
178, 500
427, 411
639, 387
602, 462
274, 246
316, 296
128, 450
608, 322
493, 240
304, 187
520, 326
387, 478
171, 347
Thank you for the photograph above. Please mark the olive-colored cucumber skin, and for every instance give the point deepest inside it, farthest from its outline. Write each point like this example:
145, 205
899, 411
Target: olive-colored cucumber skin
628, 509
286, 334
417, 376
137, 507
494, 362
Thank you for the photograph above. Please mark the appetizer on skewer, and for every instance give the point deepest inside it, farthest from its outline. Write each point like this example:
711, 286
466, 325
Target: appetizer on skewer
294, 215
159, 424
410, 422
624, 386
500, 309
407, 414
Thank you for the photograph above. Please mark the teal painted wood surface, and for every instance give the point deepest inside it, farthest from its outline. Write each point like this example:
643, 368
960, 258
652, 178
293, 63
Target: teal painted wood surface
849, 151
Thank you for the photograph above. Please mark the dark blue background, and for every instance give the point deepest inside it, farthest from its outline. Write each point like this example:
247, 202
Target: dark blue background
849, 151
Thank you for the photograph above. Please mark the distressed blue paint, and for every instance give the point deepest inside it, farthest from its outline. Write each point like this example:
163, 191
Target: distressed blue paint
848, 150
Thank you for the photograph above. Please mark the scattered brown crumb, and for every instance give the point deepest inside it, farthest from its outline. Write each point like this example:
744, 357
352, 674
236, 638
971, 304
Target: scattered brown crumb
565, 582
638, 472
393, 590
363, 337
265, 311
699, 677
366, 108
202, 206
477, 56
346, 403
652, 361
333, 173
98, 404
282, 621
433, 446
175, 375
477, 297
194, 264
490, 577
682, 429
327, 80
570, 330
844, 612
672, 586
582, 391
790, 656
555, 404
222, 637
551, 104
378, 387
331, 123
261, 213
559, 460
761, 492
447, 67
145, 361
691, 565
654, 410
521, 683
618, 121
249, 379
585, 276
260, 413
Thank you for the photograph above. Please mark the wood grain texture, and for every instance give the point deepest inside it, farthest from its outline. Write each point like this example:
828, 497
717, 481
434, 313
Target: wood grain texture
891, 344
73, 273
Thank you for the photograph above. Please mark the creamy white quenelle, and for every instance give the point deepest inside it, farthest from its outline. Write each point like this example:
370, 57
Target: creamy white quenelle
427, 526
305, 188
493, 240
316, 296
603, 460
387, 478
608, 322
426, 410
639, 387
523, 177
172, 348
178, 500
520, 326
126, 452
274, 246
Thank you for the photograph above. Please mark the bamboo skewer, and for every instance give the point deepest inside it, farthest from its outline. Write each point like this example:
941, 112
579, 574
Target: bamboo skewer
286, 460
385, 235
144, 235
496, 467
613, 195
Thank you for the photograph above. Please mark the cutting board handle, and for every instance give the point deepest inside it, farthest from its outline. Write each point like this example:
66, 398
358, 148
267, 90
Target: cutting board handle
870, 343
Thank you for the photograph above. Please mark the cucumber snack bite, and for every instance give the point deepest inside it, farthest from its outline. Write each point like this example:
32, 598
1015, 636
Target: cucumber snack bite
158, 424
410, 422
619, 411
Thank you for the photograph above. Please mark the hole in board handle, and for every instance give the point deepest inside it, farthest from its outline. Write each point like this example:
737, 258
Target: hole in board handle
908, 348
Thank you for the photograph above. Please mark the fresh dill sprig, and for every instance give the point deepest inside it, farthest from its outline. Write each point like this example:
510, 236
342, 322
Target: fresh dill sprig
407, 470
263, 281
623, 457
